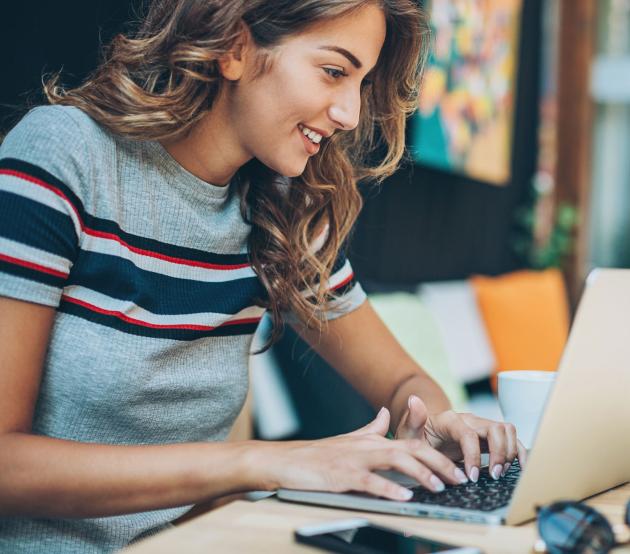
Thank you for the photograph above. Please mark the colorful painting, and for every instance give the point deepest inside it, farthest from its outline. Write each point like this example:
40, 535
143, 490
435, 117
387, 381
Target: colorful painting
466, 110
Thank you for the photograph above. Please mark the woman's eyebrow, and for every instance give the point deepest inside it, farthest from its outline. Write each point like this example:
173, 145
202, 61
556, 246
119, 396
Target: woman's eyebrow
351, 57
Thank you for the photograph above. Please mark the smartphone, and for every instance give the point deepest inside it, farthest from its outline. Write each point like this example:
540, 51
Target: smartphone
359, 536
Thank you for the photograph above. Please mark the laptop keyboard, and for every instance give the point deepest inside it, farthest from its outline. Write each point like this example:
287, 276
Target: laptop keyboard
484, 495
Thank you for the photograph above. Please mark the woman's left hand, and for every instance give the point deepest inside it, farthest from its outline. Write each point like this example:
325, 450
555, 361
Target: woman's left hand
463, 436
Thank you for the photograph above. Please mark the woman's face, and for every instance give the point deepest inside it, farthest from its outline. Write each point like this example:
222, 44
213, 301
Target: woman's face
314, 83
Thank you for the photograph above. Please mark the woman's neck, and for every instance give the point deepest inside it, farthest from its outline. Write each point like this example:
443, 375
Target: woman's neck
211, 151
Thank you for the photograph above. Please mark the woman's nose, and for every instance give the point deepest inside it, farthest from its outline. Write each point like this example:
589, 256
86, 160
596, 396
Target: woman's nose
345, 109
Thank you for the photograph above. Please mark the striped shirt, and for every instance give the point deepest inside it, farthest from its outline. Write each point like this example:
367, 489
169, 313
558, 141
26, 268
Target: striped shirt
147, 267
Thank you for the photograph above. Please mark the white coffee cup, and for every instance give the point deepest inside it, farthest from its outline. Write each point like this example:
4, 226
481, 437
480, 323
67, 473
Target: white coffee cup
522, 398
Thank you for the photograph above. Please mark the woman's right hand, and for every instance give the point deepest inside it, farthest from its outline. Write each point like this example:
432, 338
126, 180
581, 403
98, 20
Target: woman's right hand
349, 462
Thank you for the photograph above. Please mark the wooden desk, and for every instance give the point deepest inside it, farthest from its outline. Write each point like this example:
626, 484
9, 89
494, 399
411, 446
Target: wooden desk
267, 526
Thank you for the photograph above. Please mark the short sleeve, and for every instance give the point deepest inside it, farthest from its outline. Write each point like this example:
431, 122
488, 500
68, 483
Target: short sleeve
348, 293
43, 163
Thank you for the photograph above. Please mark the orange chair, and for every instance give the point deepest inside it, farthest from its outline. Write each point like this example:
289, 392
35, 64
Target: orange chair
526, 315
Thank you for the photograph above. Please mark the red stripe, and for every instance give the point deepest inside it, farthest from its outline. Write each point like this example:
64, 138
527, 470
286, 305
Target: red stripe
134, 321
111, 236
344, 282
148, 253
34, 266
43, 184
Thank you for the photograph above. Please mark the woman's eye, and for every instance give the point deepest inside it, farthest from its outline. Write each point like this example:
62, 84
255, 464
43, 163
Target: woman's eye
334, 72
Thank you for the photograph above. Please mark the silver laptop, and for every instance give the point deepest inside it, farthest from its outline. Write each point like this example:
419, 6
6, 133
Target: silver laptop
583, 442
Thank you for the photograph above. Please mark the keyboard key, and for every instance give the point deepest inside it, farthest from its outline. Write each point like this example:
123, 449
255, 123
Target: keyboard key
484, 495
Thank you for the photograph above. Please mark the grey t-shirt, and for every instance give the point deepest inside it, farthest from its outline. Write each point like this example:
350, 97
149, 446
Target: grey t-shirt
148, 269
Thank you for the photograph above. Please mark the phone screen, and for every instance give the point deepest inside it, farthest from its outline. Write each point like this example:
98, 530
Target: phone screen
372, 539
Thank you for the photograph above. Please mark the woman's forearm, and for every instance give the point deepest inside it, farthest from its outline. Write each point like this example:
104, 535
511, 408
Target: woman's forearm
422, 386
363, 350
45, 477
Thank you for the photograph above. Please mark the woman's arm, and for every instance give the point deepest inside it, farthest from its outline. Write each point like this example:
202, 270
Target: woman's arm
362, 349
47, 477
41, 476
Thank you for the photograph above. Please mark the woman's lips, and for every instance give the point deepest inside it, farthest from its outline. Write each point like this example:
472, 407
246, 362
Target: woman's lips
311, 147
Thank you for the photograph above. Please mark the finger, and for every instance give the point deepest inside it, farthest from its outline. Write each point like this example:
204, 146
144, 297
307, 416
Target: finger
401, 430
436, 461
452, 425
522, 454
497, 446
379, 425
379, 486
511, 448
416, 417
404, 462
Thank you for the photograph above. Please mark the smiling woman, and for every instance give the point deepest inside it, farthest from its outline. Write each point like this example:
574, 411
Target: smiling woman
249, 77
206, 172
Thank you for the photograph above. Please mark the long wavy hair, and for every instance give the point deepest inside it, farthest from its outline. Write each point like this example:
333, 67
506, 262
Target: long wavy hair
159, 81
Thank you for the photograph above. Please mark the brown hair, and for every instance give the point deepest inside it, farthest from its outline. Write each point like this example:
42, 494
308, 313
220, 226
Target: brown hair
158, 83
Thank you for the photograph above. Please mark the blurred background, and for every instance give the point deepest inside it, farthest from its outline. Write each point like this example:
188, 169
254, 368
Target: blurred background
475, 252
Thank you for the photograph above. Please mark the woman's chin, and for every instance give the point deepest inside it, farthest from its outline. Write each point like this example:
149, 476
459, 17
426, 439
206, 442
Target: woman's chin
288, 170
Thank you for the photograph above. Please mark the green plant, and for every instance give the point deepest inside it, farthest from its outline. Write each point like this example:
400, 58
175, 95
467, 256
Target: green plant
544, 235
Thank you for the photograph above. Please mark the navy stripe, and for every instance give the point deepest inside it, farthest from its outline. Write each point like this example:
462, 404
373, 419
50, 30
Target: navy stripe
346, 288
43, 175
165, 249
29, 222
142, 331
339, 262
31, 274
161, 294
108, 226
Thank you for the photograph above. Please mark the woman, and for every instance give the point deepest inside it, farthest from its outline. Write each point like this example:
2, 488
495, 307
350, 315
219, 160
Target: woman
205, 173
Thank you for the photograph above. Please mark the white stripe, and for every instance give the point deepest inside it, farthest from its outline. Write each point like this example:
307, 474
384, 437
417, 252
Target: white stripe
163, 267
320, 240
34, 255
130, 309
340, 276
39, 194
42, 195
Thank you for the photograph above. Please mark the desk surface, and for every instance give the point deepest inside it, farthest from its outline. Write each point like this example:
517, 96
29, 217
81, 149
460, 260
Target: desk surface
267, 526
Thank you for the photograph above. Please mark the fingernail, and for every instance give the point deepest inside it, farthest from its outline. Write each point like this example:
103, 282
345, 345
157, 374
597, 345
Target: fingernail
438, 486
506, 467
496, 471
409, 400
405, 494
474, 474
460, 476
380, 411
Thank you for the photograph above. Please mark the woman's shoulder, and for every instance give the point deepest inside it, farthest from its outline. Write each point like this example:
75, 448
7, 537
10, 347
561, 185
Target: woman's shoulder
56, 143
63, 125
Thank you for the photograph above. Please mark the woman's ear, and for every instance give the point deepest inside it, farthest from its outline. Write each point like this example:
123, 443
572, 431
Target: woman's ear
232, 65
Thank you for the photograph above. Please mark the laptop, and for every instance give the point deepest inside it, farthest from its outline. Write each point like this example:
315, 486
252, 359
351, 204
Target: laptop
582, 446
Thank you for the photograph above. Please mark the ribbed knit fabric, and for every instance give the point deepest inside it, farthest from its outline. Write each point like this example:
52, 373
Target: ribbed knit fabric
147, 267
